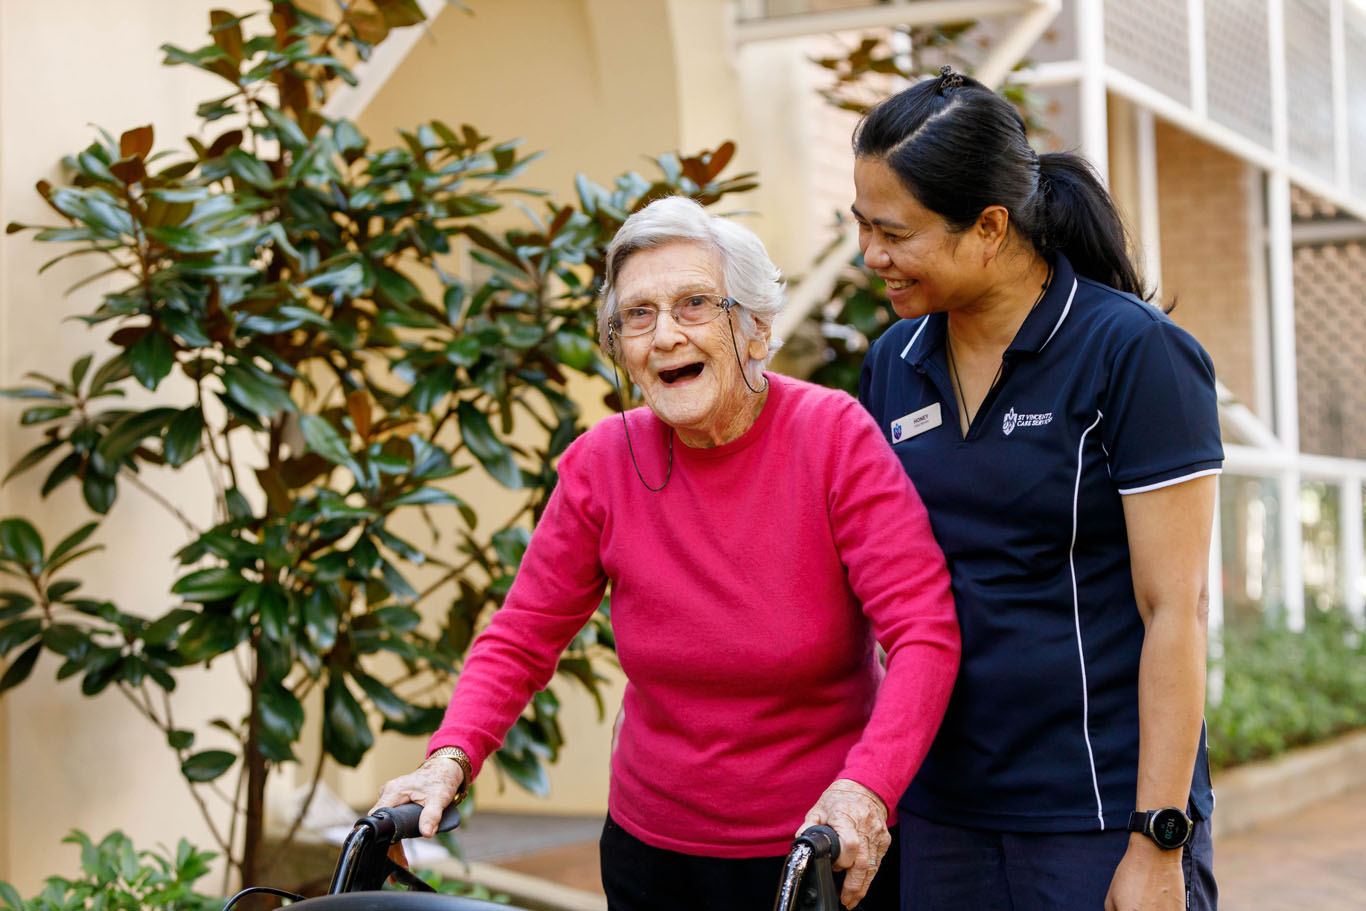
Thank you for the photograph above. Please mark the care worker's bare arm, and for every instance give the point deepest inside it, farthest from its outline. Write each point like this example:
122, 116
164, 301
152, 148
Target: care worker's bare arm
1169, 540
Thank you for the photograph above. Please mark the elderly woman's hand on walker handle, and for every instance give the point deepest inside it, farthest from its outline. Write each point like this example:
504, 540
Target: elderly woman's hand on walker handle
440, 781
859, 817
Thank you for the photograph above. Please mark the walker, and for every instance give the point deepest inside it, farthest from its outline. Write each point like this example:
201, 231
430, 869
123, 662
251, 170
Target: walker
364, 866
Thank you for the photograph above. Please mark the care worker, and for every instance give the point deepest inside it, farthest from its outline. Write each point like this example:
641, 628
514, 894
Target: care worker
1063, 434
760, 540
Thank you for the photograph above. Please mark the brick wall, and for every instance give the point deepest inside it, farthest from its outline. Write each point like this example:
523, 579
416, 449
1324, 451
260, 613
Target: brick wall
1203, 213
1330, 342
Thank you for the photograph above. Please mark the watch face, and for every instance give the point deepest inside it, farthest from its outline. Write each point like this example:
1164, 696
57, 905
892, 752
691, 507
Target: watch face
1170, 828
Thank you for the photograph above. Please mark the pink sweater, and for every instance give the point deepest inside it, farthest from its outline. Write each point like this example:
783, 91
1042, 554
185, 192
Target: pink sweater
745, 599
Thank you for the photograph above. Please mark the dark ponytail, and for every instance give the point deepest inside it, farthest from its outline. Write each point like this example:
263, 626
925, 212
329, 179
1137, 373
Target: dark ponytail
1077, 219
958, 148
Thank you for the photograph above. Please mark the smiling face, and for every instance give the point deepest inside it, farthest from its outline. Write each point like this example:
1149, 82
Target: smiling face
927, 267
688, 375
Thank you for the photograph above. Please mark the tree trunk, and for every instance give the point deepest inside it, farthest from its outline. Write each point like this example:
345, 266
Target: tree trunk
254, 829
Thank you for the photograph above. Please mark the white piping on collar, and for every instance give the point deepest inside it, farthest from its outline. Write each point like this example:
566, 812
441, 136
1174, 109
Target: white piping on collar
923, 323
1063, 316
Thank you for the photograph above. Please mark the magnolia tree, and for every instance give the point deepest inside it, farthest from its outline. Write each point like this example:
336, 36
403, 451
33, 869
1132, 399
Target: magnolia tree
289, 294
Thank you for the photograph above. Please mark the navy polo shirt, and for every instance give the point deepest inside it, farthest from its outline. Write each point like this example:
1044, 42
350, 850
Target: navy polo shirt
1101, 395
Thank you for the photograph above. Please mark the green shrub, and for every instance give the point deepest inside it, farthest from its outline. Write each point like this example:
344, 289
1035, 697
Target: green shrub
118, 877
1284, 689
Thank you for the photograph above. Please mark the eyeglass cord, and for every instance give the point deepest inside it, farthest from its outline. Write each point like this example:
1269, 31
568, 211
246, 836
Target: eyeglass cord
621, 405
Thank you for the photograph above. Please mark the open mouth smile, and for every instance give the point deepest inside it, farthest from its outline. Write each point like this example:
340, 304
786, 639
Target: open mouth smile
679, 374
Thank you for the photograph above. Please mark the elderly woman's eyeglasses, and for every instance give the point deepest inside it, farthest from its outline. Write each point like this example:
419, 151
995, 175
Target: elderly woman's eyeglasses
690, 310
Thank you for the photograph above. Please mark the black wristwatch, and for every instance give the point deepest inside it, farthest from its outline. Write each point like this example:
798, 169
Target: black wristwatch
1168, 827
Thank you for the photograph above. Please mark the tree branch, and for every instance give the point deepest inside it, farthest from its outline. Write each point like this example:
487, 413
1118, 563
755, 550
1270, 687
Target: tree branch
167, 504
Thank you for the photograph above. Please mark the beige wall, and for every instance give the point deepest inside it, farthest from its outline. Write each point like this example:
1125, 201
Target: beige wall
67, 761
1206, 229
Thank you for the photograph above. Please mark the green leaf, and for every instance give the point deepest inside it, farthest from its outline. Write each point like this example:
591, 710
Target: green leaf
66, 639
256, 391
151, 359
58, 591
397, 618
435, 384
178, 739
43, 413
33, 457
73, 541
20, 667
161, 630
464, 351
385, 700
63, 471
282, 714
20, 542
574, 350
187, 326
343, 274
183, 435
275, 614
111, 371
247, 602
238, 505
18, 632
79, 370
248, 168
24, 392
10, 897
209, 635
424, 495
346, 731
128, 431
185, 240
208, 585
454, 301
324, 439
510, 544
320, 619
286, 130
491, 452
207, 765
398, 586
99, 492
12, 604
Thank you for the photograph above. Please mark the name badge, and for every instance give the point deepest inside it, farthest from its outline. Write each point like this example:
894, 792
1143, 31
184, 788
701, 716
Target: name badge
917, 422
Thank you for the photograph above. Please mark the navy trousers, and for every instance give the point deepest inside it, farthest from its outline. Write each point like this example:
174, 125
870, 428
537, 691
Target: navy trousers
947, 868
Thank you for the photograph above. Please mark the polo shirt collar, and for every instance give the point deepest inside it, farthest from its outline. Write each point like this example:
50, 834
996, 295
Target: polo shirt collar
1040, 325
1044, 321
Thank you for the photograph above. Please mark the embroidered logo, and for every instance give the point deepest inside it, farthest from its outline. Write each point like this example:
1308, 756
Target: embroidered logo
1013, 420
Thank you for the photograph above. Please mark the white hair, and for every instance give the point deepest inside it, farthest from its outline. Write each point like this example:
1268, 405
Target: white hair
751, 278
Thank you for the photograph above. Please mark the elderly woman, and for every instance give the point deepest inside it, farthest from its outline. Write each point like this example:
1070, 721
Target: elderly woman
759, 538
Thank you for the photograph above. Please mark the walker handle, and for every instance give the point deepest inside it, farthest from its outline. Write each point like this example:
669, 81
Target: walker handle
404, 819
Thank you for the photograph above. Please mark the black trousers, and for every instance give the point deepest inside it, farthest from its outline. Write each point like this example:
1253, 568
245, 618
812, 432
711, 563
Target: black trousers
641, 877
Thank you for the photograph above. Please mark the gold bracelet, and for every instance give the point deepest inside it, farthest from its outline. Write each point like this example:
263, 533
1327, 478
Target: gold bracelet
462, 759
